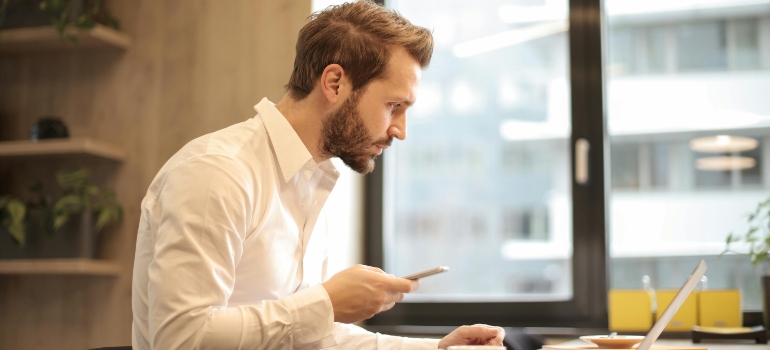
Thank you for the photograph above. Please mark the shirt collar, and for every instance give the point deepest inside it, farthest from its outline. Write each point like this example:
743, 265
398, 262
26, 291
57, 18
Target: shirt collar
290, 151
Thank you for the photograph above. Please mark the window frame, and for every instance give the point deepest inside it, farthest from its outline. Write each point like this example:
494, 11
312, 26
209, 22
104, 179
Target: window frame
588, 307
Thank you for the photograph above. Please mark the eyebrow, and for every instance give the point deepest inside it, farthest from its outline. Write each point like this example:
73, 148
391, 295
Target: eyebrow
405, 100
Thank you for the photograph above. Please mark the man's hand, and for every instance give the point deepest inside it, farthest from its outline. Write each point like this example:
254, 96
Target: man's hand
360, 292
478, 334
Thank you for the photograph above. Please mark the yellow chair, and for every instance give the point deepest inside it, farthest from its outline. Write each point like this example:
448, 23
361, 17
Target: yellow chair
685, 317
630, 310
720, 308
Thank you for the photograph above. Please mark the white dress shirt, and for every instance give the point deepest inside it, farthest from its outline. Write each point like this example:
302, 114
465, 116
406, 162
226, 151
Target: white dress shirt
232, 247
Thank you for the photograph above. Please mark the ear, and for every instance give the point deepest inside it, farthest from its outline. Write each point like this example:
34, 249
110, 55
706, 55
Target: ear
333, 83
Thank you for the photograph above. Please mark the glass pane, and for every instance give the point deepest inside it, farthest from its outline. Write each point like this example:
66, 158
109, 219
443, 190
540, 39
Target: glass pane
482, 183
689, 125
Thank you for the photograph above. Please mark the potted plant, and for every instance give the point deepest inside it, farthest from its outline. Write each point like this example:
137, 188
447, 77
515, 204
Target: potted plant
757, 237
65, 15
57, 224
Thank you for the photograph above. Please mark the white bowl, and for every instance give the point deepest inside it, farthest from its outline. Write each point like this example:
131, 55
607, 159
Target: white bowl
616, 342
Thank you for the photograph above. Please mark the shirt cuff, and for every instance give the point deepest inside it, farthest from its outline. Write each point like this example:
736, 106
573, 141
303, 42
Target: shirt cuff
312, 318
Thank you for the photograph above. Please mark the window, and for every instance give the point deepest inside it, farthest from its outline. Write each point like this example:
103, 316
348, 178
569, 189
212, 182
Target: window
485, 182
701, 46
678, 184
486, 163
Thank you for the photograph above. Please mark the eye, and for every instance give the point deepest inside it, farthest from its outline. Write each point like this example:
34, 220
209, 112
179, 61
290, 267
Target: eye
394, 105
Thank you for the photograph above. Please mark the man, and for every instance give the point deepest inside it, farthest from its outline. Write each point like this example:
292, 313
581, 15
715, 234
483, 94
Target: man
226, 254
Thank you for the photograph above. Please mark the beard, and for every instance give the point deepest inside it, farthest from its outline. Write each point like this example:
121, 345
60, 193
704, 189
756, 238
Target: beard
345, 135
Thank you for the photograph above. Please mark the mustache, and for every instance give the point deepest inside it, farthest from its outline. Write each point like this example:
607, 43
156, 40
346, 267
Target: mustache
386, 142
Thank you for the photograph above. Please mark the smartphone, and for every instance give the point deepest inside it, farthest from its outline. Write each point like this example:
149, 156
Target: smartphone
427, 273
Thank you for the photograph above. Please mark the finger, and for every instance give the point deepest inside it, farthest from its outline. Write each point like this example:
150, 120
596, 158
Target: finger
500, 335
492, 329
482, 332
401, 285
372, 268
497, 340
415, 285
393, 297
467, 331
386, 307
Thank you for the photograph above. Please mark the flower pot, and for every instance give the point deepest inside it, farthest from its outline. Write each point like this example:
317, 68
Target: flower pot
76, 239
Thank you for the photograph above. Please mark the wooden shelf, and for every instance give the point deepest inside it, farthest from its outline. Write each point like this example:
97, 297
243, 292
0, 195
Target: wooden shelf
59, 267
69, 146
39, 39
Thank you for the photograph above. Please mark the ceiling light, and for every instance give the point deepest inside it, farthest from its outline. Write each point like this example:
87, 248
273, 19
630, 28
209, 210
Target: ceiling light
724, 163
723, 144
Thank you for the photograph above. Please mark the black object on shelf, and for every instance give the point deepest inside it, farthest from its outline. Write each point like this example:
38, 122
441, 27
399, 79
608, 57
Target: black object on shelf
49, 128
756, 334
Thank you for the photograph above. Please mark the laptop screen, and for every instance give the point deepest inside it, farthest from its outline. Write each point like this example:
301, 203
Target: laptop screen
672, 308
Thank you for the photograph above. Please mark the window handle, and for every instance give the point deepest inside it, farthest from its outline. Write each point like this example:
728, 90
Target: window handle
581, 161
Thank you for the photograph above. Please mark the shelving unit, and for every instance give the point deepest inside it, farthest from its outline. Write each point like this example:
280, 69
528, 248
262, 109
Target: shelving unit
82, 146
41, 39
59, 267
69, 146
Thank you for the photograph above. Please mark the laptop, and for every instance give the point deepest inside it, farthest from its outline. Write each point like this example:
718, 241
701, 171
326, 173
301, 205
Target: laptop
665, 317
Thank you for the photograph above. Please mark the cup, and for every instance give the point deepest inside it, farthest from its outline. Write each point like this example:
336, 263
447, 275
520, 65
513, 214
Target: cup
476, 347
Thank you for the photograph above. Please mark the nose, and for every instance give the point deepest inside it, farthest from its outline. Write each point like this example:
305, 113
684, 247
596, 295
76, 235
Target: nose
397, 128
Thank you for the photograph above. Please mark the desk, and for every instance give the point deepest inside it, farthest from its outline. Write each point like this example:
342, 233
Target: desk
709, 345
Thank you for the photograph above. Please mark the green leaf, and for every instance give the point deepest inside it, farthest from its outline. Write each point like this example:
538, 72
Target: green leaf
756, 259
60, 220
72, 178
17, 233
109, 215
14, 223
16, 210
69, 204
91, 190
104, 218
730, 239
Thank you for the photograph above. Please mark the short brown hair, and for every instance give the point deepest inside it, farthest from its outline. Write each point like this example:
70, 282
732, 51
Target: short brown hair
357, 37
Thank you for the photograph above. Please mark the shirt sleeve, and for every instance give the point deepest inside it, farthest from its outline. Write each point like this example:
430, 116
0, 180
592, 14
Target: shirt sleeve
206, 207
352, 337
